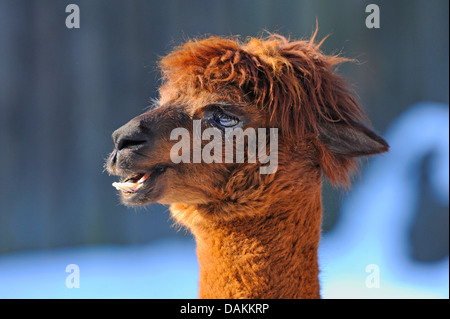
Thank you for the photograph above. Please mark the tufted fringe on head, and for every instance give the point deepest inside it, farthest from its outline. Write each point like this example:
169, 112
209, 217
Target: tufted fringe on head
293, 82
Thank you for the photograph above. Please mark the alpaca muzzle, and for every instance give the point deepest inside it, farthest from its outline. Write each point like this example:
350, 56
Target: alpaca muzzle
132, 135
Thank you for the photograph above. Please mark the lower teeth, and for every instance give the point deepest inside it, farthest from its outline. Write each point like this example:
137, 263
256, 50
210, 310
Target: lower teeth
127, 187
131, 187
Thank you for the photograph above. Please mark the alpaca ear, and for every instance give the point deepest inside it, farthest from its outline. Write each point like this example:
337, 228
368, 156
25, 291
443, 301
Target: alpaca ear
351, 139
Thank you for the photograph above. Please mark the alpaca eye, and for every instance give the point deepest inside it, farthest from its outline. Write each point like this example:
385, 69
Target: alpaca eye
226, 120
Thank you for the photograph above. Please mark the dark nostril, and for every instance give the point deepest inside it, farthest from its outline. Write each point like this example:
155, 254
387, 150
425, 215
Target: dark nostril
131, 135
128, 143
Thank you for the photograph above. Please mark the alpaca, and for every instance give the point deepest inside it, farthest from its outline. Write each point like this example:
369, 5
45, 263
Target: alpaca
257, 234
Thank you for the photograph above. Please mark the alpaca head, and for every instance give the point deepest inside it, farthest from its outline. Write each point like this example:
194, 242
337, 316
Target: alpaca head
260, 83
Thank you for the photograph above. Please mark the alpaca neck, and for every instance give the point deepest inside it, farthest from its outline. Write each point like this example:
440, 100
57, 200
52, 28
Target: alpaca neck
272, 254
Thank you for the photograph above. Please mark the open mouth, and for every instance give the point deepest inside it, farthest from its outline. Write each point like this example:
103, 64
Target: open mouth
143, 182
131, 184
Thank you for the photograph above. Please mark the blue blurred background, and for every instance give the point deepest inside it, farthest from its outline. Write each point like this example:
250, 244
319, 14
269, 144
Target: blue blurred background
64, 91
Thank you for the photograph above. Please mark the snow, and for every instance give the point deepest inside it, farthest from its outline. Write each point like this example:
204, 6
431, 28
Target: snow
165, 269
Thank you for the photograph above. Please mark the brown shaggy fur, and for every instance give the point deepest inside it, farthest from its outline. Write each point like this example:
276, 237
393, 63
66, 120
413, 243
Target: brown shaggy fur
257, 235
